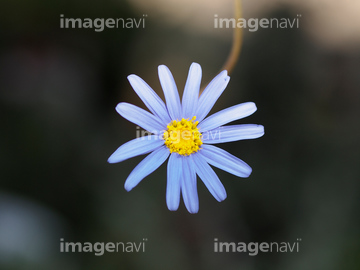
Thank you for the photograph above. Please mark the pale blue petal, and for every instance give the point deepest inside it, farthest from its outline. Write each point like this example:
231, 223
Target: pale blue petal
191, 91
209, 177
170, 91
136, 147
140, 117
188, 185
232, 133
211, 94
146, 167
227, 115
174, 175
150, 98
225, 161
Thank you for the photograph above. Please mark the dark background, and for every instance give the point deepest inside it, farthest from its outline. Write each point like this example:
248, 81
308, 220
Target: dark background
58, 91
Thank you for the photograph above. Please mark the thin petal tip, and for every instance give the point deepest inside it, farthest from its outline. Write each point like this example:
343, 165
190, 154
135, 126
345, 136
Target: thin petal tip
193, 208
162, 68
128, 187
224, 73
222, 196
247, 174
193, 211
119, 106
112, 160
195, 65
132, 77
261, 129
172, 208
250, 107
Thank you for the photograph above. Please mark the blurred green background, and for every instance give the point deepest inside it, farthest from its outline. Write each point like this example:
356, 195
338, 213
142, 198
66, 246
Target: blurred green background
58, 91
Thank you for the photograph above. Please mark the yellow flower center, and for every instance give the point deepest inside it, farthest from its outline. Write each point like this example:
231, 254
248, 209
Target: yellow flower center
183, 137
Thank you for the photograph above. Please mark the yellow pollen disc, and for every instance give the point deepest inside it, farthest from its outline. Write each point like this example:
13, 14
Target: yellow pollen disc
183, 137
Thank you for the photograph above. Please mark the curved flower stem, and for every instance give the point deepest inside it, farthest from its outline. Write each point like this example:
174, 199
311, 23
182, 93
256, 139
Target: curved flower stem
236, 45
237, 41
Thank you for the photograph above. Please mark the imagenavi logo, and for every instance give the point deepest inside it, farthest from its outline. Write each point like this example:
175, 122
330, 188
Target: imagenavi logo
253, 24
99, 24
99, 248
253, 248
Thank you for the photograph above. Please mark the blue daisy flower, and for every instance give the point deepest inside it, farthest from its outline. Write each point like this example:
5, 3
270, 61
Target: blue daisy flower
181, 131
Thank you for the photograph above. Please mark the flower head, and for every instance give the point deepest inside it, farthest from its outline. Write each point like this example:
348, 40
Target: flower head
183, 137
181, 131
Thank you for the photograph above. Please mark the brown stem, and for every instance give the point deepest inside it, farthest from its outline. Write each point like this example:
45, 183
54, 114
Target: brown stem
237, 42
236, 45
